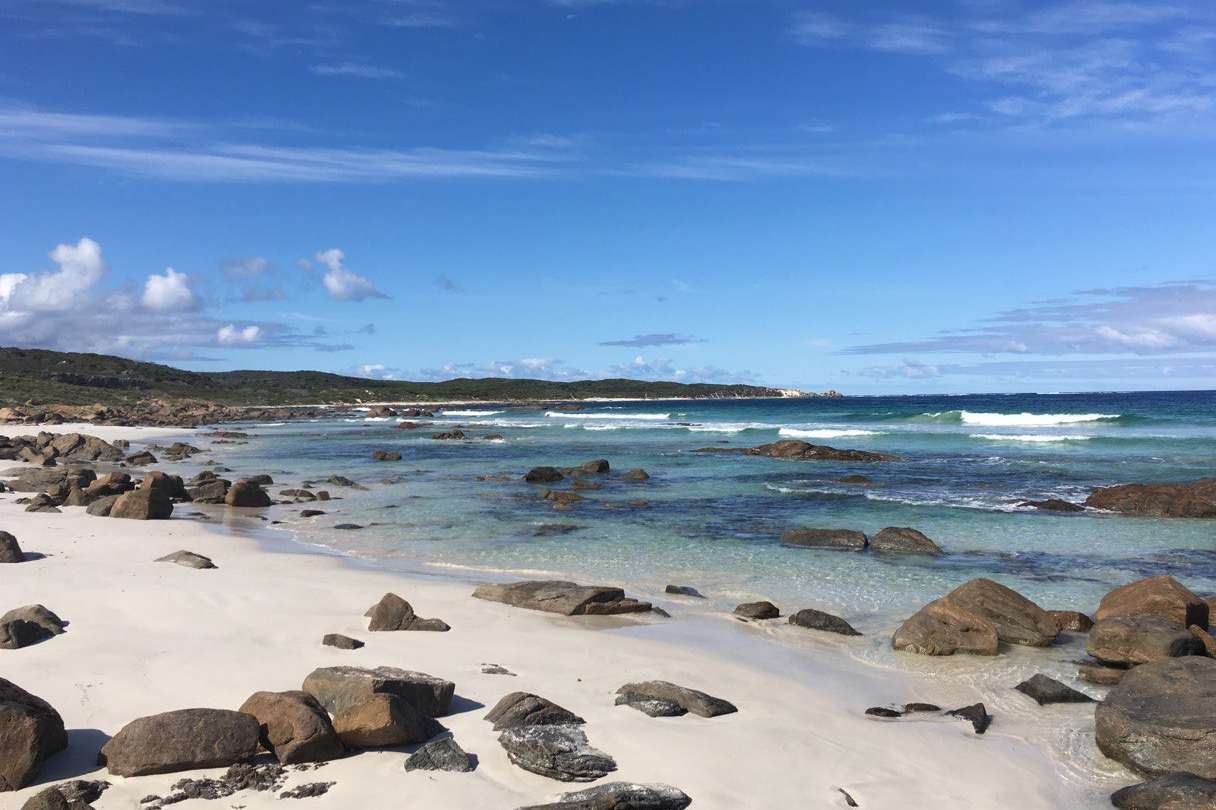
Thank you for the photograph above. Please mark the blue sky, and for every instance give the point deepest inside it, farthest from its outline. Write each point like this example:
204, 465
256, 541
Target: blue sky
979, 195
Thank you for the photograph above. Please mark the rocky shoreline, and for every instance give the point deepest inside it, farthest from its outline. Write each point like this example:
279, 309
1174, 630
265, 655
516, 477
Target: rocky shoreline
1148, 639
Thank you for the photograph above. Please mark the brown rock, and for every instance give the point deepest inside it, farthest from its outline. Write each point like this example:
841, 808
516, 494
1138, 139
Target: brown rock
794, 449
1156, 596
10, 551
1131, 640
294, 727
897, 540
757, 610
944, 627
394, 613
380, 720
184, 740
247, 493
1196, 499
338, 688
526, 709
1101, 674
832, 539
566, 598
1017, 620
30, 732
1071, 621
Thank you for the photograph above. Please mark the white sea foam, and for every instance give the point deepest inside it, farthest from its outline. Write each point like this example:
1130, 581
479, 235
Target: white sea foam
1029, 437
645, 417
470, 413
826, 433
599, 427
1031, 419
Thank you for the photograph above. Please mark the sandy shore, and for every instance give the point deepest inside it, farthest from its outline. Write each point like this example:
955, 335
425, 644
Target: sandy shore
148, 637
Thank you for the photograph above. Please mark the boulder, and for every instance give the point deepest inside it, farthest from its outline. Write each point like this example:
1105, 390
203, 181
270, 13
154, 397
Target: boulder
1017, 620
635, 475
140, 459
341, 642
30, 732
1100, 674
77, 794
691, 700
896, 540
188, 559
386, 455
561, 499
211, 491
148, 502
1174, 791
10, 551
818, 620
558, 752
834, 539
294, 727
1159, 718
1205, 638
1156, 596
543, 475
757, 610
247, 493
526, 709
597, 466
799, 450
183, 740
565, 598
42, 503
1071, 621
683, 590
1054, 505
1131, 640
394, 613
976, 714
380, 720
448, 435
1044, 690
1196, 499
340, 687
102, 507
620, 796
440, 755
943, 627
23, 626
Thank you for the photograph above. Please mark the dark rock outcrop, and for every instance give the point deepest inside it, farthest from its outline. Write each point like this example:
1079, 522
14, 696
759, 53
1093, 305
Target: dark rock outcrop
77, 794
1044, 690
1054, 505
1173, 791
832, 539
247, 493
637, 474
1159, 718
804, 451
543, 475
558, 752
386, 455
897, 540
294, 727
620, 796
440, 755
10, 550
976, 714
188, 559
341, 642
1196, 499
526, 709
757, 610
683, 590
182, 740
566, 598
692, 700
818, 620
394, 613
31, 624
30, 732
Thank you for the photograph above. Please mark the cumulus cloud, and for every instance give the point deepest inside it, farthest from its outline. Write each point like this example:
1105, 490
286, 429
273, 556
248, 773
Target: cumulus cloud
231, 335
79, 267
168, 293
343, 284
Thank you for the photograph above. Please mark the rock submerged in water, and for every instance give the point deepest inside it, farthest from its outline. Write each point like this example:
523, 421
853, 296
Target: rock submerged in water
1159, 718
833, 539
620, 796
1173, 791
1196, 499
1161, 596
683, 590
1044, 690
440, 755
795, 449
1054, 505
690, 700
184, 740
974, 618
818, 620
386, 455
393, 613
903, 540
294, 727
543, 475
519, 709
565, 598
976, 714
558, 752
30, 732
757, 610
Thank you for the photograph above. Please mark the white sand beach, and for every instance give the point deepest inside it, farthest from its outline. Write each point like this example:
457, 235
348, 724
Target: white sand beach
147, 637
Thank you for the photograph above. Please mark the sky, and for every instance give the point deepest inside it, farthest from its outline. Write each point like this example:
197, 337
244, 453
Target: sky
910, 197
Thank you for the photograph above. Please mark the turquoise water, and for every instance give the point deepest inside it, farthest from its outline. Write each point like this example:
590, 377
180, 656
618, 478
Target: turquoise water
714, 522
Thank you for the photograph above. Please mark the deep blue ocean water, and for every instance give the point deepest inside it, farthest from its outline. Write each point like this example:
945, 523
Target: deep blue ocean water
715, 521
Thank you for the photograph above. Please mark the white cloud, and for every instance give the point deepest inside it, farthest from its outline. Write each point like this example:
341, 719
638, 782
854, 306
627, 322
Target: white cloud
168, 293
230, 335
80, 267
343, 284
356, 70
